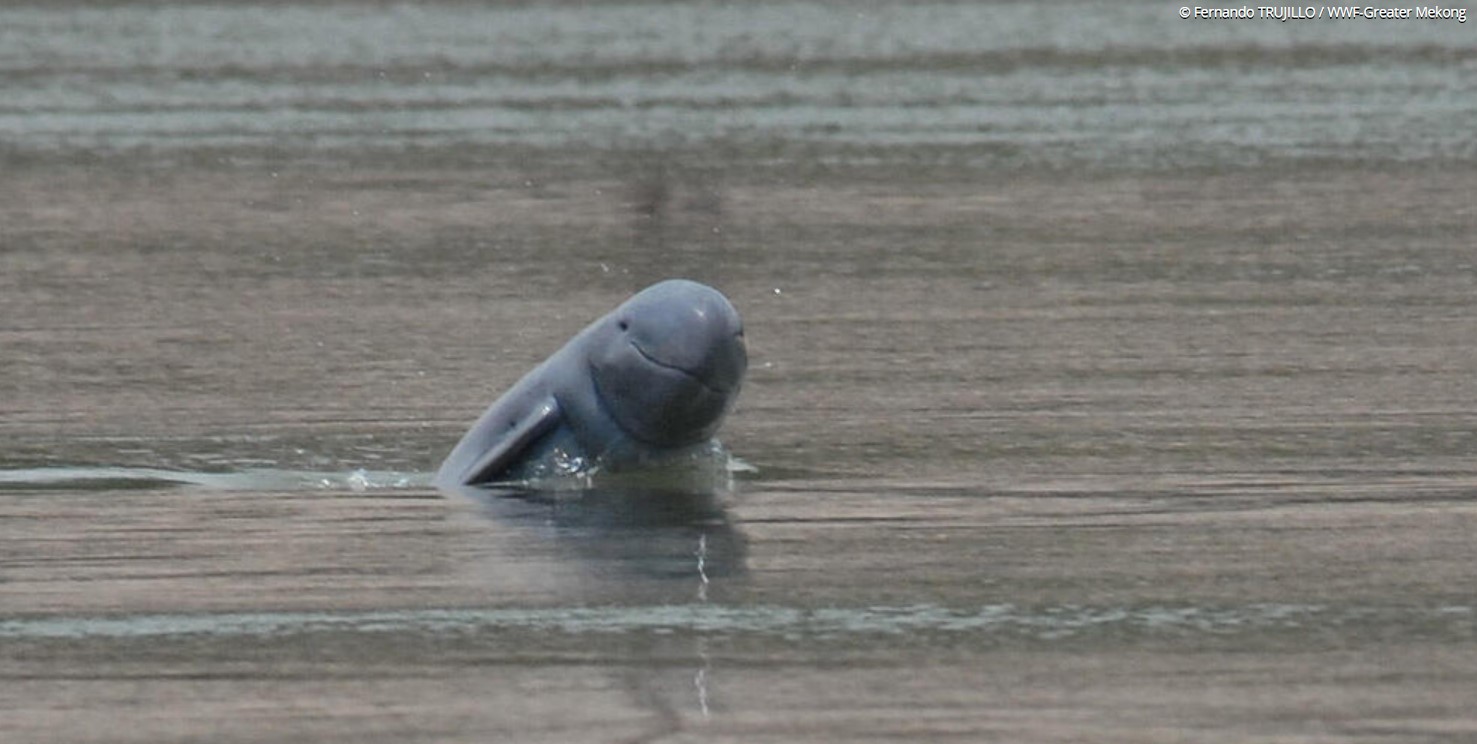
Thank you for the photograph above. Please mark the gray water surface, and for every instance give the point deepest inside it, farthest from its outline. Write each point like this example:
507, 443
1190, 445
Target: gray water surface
1065, 84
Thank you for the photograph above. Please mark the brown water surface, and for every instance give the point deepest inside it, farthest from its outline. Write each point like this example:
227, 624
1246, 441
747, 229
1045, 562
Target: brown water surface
1077, 438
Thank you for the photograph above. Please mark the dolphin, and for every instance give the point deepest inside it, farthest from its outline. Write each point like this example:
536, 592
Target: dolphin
651, 379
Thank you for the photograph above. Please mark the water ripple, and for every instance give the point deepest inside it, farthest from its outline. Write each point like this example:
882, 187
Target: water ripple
260, 479
1002, 619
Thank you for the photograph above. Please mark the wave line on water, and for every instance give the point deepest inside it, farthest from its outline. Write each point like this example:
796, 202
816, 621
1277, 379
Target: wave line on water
1050, 623
255, 479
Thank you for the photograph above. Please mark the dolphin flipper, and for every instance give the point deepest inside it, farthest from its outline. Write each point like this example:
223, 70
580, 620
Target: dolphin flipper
511, 445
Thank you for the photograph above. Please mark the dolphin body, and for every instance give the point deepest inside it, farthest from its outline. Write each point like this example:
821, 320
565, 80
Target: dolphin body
650, 380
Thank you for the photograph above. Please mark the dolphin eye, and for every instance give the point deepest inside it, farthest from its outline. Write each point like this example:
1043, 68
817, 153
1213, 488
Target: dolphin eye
624, 326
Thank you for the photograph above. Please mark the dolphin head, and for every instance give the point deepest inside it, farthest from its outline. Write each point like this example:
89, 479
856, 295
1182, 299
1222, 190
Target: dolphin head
668, 362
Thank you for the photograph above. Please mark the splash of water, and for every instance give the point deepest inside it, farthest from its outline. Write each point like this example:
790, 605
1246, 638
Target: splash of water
709, 468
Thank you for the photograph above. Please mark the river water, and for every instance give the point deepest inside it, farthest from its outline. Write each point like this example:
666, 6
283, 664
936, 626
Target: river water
1112, 374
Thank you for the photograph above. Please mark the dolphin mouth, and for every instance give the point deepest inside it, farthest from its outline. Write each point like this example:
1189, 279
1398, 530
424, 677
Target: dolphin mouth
679, 370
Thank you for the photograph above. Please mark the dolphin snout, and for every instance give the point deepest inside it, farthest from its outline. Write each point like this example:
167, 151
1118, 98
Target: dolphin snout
722, 368
719, 365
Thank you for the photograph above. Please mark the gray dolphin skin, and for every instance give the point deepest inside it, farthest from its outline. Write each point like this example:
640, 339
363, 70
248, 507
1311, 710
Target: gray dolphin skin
651, 379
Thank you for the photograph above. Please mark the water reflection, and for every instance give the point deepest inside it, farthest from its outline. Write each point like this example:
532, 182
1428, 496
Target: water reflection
628, 531
633, 529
